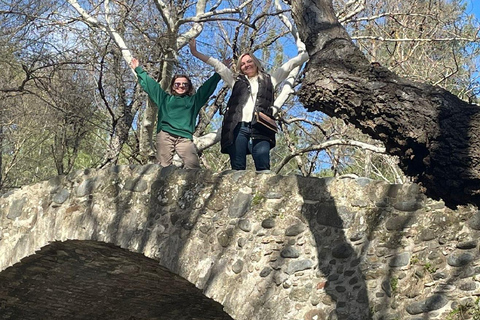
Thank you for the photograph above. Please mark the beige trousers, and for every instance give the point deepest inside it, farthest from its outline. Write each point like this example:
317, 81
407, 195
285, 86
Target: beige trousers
168, 144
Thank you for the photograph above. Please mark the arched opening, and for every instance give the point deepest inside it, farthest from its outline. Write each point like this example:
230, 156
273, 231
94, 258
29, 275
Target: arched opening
95, 280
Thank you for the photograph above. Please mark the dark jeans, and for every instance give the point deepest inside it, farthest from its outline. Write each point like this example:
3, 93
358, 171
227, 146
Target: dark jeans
243, 144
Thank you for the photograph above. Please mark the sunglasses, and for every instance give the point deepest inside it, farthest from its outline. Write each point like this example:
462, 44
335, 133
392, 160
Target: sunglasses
177, 85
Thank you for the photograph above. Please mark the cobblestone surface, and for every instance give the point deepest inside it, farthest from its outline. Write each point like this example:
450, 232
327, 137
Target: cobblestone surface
92, 280
263, 246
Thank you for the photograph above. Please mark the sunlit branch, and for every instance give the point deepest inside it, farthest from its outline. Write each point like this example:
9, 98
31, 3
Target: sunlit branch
297, 61
392, 14
329, 144
348, 13
87, 18
202, 16
127, 55
167, 16
415, 39
305, 120
207, 140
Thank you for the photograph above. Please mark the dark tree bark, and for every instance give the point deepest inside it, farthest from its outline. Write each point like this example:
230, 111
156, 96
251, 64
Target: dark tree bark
1, 145
435, 134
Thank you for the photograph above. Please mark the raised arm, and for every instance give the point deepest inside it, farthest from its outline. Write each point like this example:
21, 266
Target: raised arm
193, 50
151, 87
221, 68
282, 73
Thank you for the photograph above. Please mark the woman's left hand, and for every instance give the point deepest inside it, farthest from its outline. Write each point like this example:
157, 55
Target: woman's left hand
228, 62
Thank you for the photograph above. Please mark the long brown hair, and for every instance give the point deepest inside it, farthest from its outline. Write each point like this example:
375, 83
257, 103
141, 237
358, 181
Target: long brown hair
189, 92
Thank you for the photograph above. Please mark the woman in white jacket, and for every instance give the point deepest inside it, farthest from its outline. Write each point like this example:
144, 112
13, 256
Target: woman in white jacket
252, 90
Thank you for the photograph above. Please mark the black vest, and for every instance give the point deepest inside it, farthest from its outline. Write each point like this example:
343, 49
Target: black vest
240, 93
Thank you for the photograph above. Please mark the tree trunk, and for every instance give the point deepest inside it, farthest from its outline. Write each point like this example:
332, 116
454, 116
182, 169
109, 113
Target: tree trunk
434, 133
147, 129
117, 141
1, 146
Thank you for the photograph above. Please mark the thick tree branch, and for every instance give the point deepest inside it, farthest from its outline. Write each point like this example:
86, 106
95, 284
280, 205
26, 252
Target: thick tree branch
433, 132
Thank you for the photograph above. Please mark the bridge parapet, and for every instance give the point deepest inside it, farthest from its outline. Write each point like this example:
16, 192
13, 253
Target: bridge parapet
264, 246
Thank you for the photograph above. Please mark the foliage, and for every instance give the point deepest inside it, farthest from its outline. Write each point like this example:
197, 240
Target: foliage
430, 268
426, 41
394, 283
467, 310
69, 101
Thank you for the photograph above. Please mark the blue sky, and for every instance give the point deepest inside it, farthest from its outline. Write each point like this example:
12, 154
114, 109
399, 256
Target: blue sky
474, 7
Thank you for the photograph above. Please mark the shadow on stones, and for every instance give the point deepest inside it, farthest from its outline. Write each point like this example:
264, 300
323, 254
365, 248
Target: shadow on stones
123, 229
169, 209
338, 261
173, 211
346, 259
350, 252
178, 199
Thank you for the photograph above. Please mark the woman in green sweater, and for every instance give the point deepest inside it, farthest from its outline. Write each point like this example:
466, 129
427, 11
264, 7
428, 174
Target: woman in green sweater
177, 114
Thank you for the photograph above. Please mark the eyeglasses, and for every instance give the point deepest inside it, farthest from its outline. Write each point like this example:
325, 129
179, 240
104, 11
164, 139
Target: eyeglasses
184, 85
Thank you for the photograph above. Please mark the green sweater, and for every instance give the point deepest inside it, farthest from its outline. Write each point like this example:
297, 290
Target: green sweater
177, 114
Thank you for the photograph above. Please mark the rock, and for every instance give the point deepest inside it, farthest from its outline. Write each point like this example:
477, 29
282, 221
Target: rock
240, 205
466, 245
16, 208
460, 259
268, 223
432, 303
87, 187
265, 272
474, 221
289, 252
61, 196
299, 265
400, 260
295, 229
224, 239
342, 251
237, 266
399, 223
245, 225
135, 185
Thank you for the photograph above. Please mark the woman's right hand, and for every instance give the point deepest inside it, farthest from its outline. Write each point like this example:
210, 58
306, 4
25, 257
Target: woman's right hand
134, 63
193, 46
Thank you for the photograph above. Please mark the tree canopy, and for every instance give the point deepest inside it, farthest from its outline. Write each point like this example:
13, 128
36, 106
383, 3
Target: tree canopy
389, 85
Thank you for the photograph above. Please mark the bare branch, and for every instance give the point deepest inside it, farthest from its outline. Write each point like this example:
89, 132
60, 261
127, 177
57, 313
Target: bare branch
415, 39
92, 22
87, 18
207, 140
352, 8
329, 144
315, 124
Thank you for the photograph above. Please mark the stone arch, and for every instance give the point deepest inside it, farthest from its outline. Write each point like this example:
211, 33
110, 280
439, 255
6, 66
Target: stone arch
93, 280
264, 246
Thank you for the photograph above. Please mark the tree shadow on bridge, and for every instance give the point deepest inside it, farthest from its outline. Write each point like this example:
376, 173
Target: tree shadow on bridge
397, 241
174, 208
343, 257
347, 260
178, 199
120, 190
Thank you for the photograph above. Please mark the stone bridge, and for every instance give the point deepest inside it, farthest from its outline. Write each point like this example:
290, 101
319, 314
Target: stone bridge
145, 242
